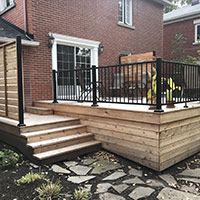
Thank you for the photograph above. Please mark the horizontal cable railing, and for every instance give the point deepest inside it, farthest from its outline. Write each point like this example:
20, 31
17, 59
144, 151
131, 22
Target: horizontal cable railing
154, 83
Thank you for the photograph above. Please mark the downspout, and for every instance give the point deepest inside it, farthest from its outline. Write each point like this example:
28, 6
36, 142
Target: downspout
25, 17
26, 20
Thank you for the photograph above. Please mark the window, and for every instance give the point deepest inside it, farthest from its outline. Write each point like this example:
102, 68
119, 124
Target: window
67, 58
197, 33
6, 4
125, 12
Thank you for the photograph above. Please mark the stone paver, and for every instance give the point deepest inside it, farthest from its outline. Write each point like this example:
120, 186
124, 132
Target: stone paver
141, 192
191, 172
80, 179
103, 187
110, 196
80, 170
70, 163
135, 172
87, 187
120, 188
154, 183
191, 189
172, 194
134, 181
104, 166
34, 165
194, 180
114, 176
88, 161
58, 169
168, 178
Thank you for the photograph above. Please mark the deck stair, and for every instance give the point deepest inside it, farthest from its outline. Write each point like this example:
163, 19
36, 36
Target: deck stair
52, 142
39, 110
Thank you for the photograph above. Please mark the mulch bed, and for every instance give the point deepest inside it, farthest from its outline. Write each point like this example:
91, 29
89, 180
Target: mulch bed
9, 190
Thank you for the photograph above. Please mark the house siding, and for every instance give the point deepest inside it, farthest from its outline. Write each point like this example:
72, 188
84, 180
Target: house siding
95, 20
187, 28
16, 14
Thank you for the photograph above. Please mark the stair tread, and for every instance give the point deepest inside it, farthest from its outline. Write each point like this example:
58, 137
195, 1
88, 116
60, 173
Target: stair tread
57, 140
39, 108
47, 131
64, 150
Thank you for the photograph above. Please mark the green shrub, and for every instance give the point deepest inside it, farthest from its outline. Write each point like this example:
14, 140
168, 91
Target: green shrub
49, 190
8, 158
81, 194
30, 178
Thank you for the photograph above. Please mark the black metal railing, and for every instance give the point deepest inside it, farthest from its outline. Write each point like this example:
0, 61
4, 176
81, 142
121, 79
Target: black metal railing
20, 82
180, 82
154, 83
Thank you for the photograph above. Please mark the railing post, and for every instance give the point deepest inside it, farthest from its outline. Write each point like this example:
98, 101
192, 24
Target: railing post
20, 82
94, 86
54, 87
158, 89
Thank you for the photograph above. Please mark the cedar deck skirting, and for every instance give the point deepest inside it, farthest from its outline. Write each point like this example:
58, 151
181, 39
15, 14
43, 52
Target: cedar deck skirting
155, 140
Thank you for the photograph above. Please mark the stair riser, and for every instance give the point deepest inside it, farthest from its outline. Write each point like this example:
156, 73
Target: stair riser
63, 144
39, 112
49, 126
70, 155
57, 134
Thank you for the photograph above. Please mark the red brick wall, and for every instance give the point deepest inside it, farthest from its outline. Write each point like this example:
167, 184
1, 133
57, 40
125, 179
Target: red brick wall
187, 28
94, 20
16, 14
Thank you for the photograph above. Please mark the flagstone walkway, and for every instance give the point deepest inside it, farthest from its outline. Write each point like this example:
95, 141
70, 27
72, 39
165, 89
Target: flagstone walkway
109, 177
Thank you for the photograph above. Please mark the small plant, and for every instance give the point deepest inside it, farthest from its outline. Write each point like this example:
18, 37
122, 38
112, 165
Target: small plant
49, 190
81, 194
172, 87
30, 178
8, 158
151, 94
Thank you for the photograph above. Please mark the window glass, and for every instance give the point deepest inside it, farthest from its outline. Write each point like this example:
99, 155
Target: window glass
125, 11
68, 57
83, 60
5, 3
198, 33
120, 11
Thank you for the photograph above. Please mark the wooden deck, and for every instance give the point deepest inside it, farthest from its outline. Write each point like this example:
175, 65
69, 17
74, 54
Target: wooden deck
155, 140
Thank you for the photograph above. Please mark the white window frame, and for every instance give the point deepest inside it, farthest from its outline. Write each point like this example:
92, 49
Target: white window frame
75, 42
196, 28
196, 24
6, 8
125, 12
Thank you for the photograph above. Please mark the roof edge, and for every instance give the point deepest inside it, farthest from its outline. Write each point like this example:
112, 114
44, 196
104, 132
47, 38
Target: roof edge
164, 2
28, 35
24, 42
180, 19
184, 17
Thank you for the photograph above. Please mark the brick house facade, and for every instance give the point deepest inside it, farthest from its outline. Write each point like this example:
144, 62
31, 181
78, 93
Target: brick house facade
95, 20
185, 21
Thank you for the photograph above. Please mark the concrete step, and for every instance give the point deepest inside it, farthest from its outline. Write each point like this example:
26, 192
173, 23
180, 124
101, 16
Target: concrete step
68, 152
39, 110
54, 133
60, 142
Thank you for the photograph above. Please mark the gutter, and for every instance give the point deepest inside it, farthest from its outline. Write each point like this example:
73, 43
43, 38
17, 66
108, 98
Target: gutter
24, 42
165, 3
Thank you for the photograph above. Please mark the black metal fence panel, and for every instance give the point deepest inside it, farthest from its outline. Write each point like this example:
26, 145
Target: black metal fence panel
155, 83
